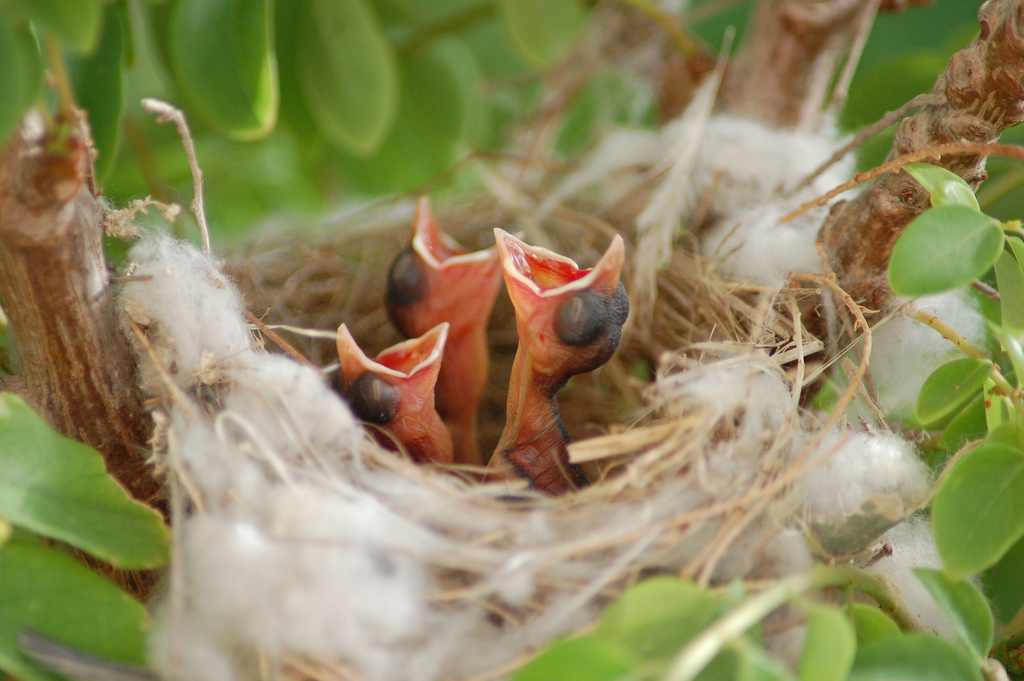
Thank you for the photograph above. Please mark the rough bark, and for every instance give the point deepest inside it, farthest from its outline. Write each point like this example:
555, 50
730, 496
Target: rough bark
784, 71
56, 291
982, 94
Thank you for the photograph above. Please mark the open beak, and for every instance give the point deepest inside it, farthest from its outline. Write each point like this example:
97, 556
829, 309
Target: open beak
569, 320
396, 391
435, 280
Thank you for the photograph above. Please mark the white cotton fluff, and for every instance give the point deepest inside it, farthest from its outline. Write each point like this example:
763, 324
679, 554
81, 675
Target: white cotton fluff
747, 163
288, 409
192, 315
299, 540
905, 352
868, 483
746, 399
754, 246
913, 547
303, 585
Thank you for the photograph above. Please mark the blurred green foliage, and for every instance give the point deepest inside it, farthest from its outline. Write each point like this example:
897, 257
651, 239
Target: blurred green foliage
296, 104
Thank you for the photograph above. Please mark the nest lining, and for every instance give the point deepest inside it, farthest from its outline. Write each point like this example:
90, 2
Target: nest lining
303, 549
301, 545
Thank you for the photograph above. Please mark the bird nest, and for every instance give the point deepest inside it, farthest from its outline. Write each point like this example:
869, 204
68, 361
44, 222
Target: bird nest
303, 548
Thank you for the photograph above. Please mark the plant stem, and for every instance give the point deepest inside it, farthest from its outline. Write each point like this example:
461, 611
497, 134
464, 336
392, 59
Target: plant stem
61, 81
950, 334
701, 650
966, 347
453, 23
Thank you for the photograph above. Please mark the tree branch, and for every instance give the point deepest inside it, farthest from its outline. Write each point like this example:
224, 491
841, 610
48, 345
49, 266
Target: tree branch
784, 71
55, 288
982, 93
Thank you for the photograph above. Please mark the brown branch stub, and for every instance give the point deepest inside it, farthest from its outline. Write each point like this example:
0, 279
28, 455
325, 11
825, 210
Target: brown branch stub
982, 93
55, 289
784, 71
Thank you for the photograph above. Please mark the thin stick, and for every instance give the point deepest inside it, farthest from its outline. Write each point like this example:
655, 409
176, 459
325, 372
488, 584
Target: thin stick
165, 113
986, 290
287, 347
864, 134
933, 152
860, 38
950, 334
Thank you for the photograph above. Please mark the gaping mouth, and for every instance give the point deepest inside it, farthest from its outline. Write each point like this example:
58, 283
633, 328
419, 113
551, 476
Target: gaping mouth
548, 274
402, 361
437, 249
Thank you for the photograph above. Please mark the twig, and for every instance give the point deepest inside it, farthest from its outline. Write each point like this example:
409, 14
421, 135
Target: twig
287, 347
985, 290
963, 345
863, 135
861, 31
701, 650
165, 113
950, 334
933, 153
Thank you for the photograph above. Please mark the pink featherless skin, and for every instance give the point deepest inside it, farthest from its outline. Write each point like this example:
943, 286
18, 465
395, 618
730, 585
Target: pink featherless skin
435, 280
569, 320
395, 391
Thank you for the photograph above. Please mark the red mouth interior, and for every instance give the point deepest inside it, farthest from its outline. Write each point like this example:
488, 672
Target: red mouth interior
408, 357
547, 273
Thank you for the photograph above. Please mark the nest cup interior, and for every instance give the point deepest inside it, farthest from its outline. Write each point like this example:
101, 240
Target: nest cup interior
339, 276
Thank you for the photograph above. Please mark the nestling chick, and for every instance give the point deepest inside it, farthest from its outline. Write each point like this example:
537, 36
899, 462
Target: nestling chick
435, 280
396, 391
569, 320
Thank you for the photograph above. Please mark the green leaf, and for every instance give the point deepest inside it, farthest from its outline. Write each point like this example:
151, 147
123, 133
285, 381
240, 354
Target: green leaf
968, 425
946, 188
424, 141
656, 617
966, 606
999, 409
1010, 280
224, 62
541, 30
977, 514
1011, 345
944, 248
59, 488
870, 624
950, 387
582, 659
76, 23
1008, 434
21, 76
97, 85
348, 74
829, 646
49, 592
476, 107
913, 657
1003, 583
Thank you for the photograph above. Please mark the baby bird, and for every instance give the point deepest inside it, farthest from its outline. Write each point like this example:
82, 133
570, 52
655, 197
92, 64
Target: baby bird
569, 320
435, 280
396, 391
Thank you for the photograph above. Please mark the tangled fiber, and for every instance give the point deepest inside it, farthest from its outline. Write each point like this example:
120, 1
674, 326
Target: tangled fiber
304, 549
